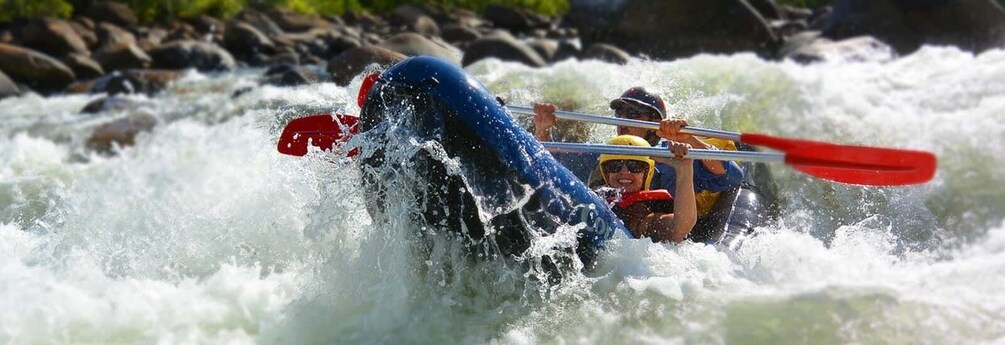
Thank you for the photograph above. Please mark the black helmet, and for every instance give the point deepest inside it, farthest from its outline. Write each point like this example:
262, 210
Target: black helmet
640, 97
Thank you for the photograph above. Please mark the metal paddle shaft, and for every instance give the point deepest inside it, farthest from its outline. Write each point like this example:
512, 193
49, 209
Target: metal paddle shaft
748, 156
607, 120
862, 165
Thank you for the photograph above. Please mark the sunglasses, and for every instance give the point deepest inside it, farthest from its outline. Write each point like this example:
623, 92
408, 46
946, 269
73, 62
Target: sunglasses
629, 112
634, 167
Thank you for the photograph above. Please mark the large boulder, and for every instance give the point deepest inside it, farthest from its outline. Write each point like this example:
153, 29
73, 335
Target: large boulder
674, 28
260, 22
352, 62
202, 56
122, 56
134, 82
110, 34
53, 36
34, 68
85, 32
454, 33
113, 12
504, 47
414, 18
290, 21
7, 87
515, 19
605, 53
412, 44
121, 132
83, 66
974, 25
243, 40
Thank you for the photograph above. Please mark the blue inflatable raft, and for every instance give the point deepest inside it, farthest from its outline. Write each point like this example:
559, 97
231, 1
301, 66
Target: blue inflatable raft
484, 175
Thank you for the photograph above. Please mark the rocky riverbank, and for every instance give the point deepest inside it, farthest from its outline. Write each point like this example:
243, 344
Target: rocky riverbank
109, 51
50, 55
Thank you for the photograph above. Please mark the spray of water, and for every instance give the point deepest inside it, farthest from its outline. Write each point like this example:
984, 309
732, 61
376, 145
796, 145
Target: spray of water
201, 233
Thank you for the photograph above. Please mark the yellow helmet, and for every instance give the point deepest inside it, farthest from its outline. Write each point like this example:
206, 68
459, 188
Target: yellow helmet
630, 140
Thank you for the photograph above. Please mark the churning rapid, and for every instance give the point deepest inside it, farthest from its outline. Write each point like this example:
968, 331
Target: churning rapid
202, 233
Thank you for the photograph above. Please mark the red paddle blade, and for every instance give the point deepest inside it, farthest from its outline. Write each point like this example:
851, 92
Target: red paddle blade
861, 165
322, 130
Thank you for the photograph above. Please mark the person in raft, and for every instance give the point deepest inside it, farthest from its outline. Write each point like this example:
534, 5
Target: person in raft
642, 210
711, 177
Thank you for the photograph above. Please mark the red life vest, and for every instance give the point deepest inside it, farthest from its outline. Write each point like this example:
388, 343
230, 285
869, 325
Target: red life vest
658, 200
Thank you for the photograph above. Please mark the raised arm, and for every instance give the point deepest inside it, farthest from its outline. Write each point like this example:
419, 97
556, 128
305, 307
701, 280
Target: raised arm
544, 120
676, 226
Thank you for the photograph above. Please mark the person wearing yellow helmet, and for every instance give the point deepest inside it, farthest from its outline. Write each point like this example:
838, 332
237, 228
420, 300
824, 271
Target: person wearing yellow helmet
633, 175
711, 177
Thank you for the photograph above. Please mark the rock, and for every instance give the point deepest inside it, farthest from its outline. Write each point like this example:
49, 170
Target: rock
514, 19
149, 38
113, 12
792, 12
973, 25
34, 68
113, 103
412, 44
566, 50
460, 17
120, 132
334, 19
55, 37
206, 25
180, 31
674, 28
858, 49
110, 35
289, 75
83, 66
364, 20
454, 33
290, 21
7, 87
85, 33
242, 39
503, 47
146, 82
415, 19
606, 53
286, 56
546, 48
337, 45
352, 62
202, 56
122, 56
786, 28
259, 21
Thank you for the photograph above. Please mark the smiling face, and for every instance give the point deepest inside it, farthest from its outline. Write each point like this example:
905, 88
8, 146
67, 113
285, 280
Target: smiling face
627, 175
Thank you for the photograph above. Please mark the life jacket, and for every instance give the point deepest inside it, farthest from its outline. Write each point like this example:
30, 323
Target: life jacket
658, 201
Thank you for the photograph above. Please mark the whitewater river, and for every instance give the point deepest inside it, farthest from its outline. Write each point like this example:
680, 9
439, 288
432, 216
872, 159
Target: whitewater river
202, 233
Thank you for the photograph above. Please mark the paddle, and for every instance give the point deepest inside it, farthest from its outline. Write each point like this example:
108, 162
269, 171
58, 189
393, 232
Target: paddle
830, 162
321, 130
862, 165
324, 130
871, 166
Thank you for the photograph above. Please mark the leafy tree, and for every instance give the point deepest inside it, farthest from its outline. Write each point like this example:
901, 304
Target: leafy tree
14, 9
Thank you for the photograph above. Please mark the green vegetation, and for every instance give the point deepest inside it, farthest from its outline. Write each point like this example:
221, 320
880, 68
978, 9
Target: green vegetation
162, 10
11, 9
